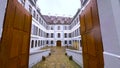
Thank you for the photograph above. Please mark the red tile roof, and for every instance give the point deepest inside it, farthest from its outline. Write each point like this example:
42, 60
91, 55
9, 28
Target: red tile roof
57, 19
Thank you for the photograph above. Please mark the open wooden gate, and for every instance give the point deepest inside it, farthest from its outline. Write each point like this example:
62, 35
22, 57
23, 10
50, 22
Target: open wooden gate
91, 37
14, 45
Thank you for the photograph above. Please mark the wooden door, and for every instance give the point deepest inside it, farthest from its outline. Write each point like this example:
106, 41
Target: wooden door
91, 37
14, 45
59, 43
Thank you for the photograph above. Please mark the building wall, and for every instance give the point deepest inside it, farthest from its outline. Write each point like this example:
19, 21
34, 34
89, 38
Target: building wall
75, 31
109, 14
2, 14
40, 28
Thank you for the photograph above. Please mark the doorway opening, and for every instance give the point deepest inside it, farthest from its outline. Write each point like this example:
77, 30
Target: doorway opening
58, 43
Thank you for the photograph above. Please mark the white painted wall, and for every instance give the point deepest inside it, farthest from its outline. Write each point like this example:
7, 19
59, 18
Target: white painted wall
36, 56
76, 55
109, 14
3, 4
116, 13
55, 30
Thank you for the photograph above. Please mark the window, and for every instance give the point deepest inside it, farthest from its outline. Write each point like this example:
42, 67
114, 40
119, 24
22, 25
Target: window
23, 2
78, 32
35, 1
37, 17
47, 42
32, 43
39, 43
70, 42
80, 43
34, 14
34, 30
69, 35
77, 20
69, 27
72, 34
51, 28
30, 9
36, 43
51, 35
65, 41
39, 32
65, 27
47, 35
65, 35
51, 42
58, 35
41, 22
44, 34
47, 27
43, 42
58, 27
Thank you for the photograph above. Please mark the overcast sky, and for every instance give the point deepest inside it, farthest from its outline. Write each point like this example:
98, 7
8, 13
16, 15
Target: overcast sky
59, 7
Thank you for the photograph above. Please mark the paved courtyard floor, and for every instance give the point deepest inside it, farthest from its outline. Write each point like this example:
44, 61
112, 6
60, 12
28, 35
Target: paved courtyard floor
57, 59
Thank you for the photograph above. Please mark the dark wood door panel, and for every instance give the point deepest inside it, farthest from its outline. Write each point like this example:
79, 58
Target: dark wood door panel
88, 16
15, 43
59, 43
14, 52
25, 42
12, 63
23, 60
84, 46
91, 43
19, 19
82, 23
91, 36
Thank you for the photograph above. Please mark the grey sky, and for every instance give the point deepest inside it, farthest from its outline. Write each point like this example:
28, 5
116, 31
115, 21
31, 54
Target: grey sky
59, 7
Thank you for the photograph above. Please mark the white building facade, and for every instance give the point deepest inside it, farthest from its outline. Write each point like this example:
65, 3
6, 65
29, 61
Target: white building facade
43, 33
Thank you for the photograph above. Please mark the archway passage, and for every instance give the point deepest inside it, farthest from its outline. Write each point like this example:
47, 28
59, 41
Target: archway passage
91, 36
59, 43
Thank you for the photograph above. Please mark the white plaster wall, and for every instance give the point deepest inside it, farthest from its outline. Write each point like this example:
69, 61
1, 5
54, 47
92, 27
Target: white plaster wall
108, 27
111, 60
76, 55
109, 14
35, 58
3, 4
116, 13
